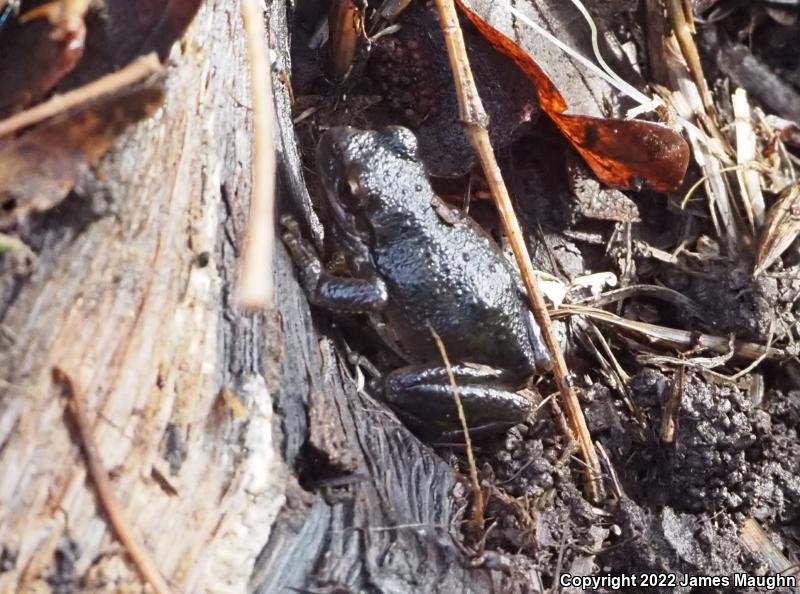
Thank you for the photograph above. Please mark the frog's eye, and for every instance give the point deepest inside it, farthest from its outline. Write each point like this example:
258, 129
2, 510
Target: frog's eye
347, 190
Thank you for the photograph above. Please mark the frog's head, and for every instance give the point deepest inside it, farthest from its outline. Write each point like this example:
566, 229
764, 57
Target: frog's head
361, 172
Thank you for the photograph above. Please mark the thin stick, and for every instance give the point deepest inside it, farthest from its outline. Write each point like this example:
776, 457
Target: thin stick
475, 120
136, 72
256, 268
116, 515
477, 508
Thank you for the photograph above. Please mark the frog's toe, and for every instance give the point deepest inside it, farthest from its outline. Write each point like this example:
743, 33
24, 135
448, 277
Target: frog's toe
290, 224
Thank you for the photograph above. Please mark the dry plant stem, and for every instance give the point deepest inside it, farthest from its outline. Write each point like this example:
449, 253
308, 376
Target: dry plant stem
688, 14
256, 271
672, 406
478, 506
474, 118
610, 471
119, 521
673, 337
134, 73
345, 25
683, 33
742, 167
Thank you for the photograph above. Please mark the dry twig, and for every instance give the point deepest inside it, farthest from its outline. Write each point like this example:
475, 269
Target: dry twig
255, 273
673, 337
474, 119
117, 517
136, 72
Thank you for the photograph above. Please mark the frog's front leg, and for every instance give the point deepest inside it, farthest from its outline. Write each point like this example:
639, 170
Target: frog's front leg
425, 397
338, 294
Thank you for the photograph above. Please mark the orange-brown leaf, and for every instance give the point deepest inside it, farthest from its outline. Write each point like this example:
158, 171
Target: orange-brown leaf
627, 154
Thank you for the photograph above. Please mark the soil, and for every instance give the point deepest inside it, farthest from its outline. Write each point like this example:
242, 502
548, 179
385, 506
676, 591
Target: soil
676, 506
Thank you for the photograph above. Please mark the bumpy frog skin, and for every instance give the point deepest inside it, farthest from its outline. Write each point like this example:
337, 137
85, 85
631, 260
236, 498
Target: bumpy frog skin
418, 264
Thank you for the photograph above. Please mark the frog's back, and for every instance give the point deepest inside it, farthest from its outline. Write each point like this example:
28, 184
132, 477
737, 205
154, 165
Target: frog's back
442, 271
449, 275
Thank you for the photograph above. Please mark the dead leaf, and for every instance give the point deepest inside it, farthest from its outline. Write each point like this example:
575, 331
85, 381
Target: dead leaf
38, 169
627, 154
780, 229
34, 60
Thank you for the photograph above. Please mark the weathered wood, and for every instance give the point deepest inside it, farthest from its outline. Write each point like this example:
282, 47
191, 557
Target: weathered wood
131, 294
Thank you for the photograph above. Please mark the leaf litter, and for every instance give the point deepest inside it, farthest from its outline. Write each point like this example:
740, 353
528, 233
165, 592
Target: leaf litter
689, 405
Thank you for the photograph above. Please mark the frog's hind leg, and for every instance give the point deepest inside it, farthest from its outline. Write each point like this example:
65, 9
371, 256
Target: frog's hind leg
423, 394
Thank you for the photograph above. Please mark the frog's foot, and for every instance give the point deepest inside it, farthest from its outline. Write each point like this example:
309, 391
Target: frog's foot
338, 294
541, 354
303, 253
425, 397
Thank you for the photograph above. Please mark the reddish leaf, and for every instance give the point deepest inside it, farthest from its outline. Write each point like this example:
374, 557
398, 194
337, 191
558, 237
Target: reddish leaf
628, 154
34, 59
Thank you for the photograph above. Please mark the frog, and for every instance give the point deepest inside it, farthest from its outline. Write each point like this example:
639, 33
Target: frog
419, 268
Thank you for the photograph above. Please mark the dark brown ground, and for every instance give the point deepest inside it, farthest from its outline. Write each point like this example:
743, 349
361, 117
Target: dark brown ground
736, 452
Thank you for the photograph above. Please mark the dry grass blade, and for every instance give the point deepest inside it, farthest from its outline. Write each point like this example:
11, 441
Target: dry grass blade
255, 274
656, 291
474, 118
683, 28
709, 147
780, 229
478, 504
616, 486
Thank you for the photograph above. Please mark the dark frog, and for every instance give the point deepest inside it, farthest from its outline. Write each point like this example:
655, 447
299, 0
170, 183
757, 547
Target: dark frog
417, 265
